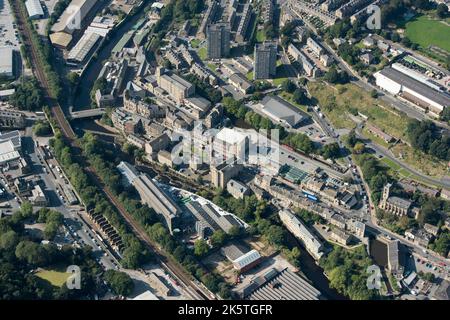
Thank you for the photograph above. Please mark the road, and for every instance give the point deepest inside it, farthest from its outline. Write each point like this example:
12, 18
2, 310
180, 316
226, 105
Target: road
171, 267
442, 182
371, 222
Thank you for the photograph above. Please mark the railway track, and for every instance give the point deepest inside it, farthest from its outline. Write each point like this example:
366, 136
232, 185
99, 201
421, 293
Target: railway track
167, 262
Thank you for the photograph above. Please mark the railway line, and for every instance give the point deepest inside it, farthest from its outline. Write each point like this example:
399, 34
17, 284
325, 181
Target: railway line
172, 267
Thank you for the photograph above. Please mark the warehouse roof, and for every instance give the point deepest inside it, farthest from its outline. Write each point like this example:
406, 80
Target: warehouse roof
246, 259
285, 285
416, 86
61, 39
6, 63
80, 51
73, 16
34, 8
282, 111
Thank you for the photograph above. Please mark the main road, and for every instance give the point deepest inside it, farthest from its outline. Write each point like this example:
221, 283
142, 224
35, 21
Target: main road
196, 290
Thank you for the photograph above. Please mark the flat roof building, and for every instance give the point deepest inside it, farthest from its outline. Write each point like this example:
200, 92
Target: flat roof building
425, 97
218, 40
34, 9
282, 112
281, 285
74, 15
7, 62
81, 50
265, 64
152, 195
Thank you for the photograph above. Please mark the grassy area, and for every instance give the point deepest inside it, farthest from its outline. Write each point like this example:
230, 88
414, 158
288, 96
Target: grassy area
56, 278
203, 53
423, 162
195, 43
337, 102
288, 97
425, 32
250, 75
260, 36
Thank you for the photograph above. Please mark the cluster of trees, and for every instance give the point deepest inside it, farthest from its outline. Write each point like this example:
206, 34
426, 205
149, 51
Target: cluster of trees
308, 217
430, 209
300, 142
287, 32
355, 144
442, 244
425, 136
394, 223
134, 254
204, 89
175, 10
374, 173
442, 10
347, 272
334, 76
28, 95
20, 255
42, 128
52, 219
331, 151
119, 282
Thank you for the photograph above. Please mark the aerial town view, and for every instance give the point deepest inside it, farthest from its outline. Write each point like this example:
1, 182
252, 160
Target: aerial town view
227, 150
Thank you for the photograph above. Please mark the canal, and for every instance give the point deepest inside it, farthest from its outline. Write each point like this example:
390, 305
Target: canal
313, 272
82, 100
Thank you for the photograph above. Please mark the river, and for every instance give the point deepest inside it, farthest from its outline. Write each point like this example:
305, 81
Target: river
82, 99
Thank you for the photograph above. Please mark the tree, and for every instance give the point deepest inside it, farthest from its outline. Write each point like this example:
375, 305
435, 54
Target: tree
201, 248
288, 86
332, 75
442, 10
274, 235
42, 128
28, 95
31, 252
299, 96
120, 282
331, 150
359, 148
73, 78
218, 238
9, 240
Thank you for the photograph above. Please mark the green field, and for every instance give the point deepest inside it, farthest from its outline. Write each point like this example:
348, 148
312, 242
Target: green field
56, 278
203, 53
425, 32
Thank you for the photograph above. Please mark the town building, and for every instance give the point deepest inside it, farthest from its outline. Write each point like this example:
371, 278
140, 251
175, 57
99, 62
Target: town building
237, 189
241, 83
340, 236
38, 197
153, 146
218, 41
176, 87
307, 65
282, 112
244, 23
210, 216
153, 195
84, 47
392, 204
230, 143
12, 120
222, 173
265, 60
74, 16
315, 47
294, 225
241, 258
